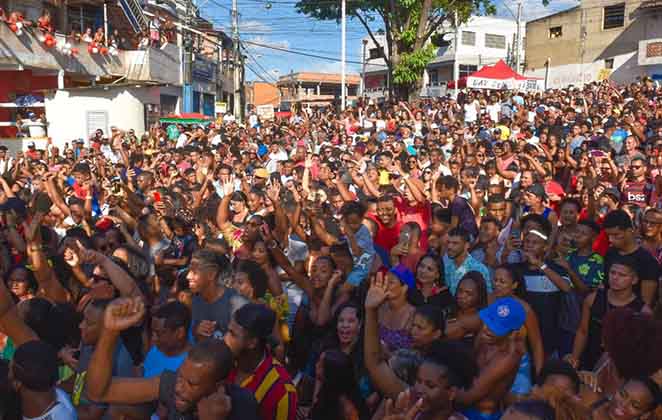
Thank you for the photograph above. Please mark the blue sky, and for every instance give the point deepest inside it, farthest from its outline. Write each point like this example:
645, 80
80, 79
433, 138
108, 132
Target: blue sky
276, 23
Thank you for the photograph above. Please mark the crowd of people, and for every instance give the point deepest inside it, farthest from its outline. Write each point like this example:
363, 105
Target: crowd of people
490, 256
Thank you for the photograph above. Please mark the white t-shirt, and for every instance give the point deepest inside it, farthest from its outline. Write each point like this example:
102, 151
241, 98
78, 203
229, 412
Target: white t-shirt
216, 140
493, 111
181, 140
61, 410
470, 111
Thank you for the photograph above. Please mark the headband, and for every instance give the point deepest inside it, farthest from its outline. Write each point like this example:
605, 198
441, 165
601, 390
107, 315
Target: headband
539, 234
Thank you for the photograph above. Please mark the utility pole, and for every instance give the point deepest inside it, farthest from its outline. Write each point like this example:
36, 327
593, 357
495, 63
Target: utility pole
187, 41
343, 30
456, 64
236, 106
518, 41
365, 43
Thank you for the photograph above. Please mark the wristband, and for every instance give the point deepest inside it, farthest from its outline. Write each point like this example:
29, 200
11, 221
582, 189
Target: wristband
543, 267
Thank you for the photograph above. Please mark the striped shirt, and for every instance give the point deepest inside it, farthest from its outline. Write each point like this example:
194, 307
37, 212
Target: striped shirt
273, 390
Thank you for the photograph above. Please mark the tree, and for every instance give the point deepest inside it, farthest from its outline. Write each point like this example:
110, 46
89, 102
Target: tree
408, 25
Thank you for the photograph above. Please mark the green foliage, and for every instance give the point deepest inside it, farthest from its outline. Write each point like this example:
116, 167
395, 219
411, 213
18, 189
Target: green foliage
412, 64
402, 19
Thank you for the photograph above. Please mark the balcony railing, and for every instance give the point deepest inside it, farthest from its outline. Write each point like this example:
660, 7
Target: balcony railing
26, 51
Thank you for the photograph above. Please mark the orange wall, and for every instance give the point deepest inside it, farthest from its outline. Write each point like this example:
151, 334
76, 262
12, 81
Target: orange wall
261, 93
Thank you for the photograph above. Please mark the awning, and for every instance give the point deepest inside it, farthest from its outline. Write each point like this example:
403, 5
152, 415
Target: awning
186, 118
501, 77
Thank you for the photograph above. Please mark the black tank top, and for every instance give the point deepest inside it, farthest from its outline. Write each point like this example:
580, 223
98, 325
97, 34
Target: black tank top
599, 309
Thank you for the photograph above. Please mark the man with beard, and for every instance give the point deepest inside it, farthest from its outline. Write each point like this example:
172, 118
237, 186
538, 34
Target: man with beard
651, 232
195, 391
458, 261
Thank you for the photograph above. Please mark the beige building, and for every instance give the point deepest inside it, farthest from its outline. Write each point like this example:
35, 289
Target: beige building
315, 89
595, 40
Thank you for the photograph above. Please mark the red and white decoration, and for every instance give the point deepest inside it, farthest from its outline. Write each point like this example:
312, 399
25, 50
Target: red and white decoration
501, 77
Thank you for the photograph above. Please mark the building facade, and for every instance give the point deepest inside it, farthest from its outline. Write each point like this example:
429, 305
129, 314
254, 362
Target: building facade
261, 93
483, 40
308, 90
130, 82
598, 39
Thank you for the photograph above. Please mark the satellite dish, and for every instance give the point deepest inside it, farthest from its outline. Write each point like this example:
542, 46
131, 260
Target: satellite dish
448, 36
446, 24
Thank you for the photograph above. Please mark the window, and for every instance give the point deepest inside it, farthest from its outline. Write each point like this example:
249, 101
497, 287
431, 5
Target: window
495, 41
467, 69
614, 16
468, 38
96, 120
434, 77
555, 32
376, 53
609, 63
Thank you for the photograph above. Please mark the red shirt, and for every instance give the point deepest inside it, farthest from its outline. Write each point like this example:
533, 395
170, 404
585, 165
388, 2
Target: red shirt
387, 237
601, 243
421, 213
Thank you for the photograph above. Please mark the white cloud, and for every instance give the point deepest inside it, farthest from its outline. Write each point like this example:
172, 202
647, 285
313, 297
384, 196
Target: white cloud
319, 66
254, 26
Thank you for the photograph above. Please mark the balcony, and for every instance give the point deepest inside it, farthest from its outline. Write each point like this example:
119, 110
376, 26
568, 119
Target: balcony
154, 64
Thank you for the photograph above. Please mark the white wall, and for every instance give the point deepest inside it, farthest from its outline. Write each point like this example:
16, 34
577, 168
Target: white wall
482, 25
625, 70
67, 110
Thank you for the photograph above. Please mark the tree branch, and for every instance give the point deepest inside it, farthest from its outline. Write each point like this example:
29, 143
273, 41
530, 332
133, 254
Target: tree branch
372, 36
422, 24
433, 25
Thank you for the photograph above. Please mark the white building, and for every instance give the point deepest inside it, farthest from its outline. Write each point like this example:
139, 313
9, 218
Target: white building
483, 40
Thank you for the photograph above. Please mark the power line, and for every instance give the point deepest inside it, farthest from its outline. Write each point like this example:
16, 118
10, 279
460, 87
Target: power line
321, 57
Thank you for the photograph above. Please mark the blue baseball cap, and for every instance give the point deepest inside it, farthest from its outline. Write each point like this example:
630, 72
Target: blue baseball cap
503, 316
403, 274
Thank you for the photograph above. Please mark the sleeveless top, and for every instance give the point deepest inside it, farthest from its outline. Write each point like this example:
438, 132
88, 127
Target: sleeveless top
599, 309
396, 338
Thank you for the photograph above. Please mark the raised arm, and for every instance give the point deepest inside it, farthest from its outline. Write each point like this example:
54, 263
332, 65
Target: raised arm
100, 386
323, 314
120, 278
49, 285
298, 278
489, 377
223, 212
10, 323
381, 374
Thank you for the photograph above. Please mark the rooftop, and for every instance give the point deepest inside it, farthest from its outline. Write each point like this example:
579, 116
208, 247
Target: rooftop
319, 78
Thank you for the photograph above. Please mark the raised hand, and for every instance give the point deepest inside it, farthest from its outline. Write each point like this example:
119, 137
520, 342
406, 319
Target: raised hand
335, 279
32, 230
216, 406
309, 162
89, 256
71, 257
273, 193
403, 408
378, 292
124, 313
228, 186
205, 328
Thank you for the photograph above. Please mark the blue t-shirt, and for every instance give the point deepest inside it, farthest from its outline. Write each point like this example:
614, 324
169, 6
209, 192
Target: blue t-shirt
156, 362
363, 262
